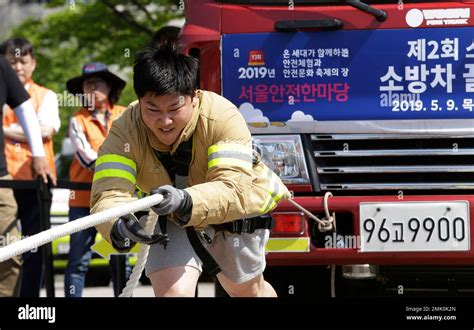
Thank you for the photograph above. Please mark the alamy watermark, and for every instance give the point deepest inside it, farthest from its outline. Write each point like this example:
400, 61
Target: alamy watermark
28, 312
68, 100
337, 241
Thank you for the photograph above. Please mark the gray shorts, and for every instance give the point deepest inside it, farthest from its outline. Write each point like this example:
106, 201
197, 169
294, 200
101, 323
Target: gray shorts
241, 257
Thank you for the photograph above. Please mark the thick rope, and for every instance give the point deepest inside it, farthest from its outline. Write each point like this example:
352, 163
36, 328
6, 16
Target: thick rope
328, 223
50, 235
140, 263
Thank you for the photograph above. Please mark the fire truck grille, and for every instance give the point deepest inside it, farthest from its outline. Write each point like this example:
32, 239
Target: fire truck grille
393, 162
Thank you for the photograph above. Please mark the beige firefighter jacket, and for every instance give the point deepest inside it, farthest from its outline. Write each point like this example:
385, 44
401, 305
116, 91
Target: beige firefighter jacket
222, 181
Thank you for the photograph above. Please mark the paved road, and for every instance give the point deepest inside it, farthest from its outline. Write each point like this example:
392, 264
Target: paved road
204, 290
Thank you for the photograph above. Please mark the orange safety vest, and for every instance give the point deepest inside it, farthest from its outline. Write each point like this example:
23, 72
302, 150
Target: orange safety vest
95, 134
18, 154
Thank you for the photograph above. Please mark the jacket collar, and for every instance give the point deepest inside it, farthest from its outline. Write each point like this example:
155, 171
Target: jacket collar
185, 134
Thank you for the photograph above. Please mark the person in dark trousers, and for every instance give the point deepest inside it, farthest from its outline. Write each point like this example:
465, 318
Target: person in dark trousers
14, 95
20, 54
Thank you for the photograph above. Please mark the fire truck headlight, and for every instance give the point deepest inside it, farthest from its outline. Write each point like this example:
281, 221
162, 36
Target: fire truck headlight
284, 155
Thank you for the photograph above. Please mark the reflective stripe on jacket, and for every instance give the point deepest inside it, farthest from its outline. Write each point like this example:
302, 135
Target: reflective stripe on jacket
87, 134
222, 181
18, 154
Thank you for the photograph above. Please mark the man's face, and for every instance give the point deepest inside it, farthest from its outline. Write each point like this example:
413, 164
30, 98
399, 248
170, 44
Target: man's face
167, 115
96, 89
24, 66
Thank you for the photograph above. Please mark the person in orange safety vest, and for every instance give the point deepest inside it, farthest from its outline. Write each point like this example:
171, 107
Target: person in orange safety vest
100, 89
20, 54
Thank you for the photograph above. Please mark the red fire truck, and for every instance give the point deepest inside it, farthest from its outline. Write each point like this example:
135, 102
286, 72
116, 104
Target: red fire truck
369, 103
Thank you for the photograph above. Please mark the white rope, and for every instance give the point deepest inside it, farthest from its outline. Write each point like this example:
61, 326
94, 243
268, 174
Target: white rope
142, 256
50, 235
132, 282
328, 223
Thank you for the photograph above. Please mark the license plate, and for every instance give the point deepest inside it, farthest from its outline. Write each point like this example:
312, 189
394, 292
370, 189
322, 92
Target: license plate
414, 226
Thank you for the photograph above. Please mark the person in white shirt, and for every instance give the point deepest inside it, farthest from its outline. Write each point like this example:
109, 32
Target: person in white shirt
20, 54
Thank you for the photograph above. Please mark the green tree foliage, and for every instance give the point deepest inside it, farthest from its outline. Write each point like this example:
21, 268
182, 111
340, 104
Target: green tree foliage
108, 31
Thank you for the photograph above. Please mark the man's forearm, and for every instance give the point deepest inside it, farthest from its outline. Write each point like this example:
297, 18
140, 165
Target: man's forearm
14, 134
17, 134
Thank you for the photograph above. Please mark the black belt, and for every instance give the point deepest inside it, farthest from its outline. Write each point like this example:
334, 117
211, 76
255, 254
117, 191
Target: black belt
245, 226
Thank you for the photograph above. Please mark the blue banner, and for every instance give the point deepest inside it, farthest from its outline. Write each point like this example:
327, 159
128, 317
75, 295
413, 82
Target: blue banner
351, 75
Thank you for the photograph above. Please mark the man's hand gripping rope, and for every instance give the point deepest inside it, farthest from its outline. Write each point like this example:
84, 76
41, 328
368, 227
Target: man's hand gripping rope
127, 231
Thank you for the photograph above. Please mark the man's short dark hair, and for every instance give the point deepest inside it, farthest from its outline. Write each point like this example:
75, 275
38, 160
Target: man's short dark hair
165, 35
17, 47
161, 70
